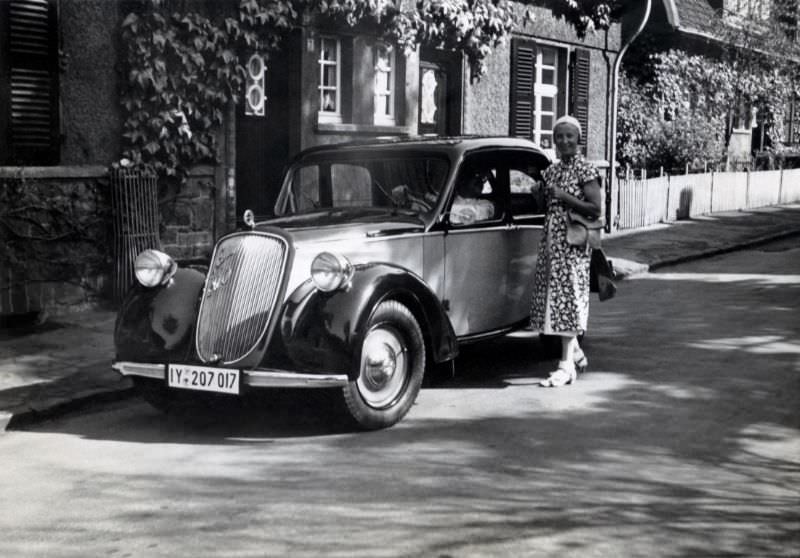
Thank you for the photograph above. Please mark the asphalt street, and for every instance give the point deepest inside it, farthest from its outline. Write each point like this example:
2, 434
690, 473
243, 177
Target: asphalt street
682, 440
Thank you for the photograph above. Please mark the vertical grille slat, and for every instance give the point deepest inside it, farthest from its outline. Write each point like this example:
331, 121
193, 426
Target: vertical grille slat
240, 296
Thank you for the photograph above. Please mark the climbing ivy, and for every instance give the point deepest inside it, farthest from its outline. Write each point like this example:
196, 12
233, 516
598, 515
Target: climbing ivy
182, 68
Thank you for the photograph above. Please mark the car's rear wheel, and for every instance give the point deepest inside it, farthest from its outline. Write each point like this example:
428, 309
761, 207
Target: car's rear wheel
391, 368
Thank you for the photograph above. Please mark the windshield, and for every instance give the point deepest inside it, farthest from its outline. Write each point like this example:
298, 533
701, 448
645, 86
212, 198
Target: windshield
411, 183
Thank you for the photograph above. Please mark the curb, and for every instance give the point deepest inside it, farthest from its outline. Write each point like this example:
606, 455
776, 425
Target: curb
58, 406
711, 252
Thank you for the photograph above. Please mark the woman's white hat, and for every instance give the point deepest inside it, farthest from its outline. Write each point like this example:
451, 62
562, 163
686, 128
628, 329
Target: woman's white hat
572, 121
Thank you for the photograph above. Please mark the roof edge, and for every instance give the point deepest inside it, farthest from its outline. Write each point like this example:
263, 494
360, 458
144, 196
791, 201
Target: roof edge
673, 17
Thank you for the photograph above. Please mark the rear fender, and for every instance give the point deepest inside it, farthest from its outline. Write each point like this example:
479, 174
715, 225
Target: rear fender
323, 331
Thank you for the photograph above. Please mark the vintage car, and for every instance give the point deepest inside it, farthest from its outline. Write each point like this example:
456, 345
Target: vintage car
380, 260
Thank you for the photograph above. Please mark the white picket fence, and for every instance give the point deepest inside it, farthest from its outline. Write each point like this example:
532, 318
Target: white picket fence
662, 199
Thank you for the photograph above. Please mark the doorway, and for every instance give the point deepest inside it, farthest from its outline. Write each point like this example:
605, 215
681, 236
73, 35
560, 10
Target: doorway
262, 135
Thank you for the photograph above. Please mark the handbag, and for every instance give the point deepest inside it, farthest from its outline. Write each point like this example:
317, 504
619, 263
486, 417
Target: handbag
582, 231
601, 275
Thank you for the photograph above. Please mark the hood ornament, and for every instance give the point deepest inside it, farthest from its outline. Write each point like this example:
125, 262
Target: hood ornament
249, 218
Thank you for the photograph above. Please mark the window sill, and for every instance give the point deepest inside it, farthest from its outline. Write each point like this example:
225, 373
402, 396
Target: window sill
373, 129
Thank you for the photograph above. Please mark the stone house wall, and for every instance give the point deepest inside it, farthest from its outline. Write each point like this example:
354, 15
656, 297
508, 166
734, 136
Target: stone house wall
55, 254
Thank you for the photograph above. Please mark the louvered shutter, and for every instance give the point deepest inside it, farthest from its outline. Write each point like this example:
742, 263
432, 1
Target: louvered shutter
523, 78
579, 91
29, 82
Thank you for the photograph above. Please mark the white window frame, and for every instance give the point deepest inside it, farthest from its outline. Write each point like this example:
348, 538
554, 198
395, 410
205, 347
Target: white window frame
541, 90
328, 115
385, 97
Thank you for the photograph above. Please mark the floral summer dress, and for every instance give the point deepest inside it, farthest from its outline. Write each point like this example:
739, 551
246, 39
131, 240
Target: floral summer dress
560, 301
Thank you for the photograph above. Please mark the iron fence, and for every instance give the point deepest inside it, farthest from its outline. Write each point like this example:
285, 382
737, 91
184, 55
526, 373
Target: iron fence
134, 206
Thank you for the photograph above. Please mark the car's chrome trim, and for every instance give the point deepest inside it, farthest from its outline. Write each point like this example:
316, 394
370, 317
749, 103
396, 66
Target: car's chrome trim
282, 378
474, 337
264, 377
243, 289
139, 369
474, 227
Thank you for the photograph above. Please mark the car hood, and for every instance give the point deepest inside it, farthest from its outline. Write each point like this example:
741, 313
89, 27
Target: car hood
345, 224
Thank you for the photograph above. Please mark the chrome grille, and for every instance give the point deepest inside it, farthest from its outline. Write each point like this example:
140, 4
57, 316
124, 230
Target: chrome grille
240, 295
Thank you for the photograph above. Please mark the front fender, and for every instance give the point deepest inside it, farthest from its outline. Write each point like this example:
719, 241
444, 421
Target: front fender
155, 324
323, 331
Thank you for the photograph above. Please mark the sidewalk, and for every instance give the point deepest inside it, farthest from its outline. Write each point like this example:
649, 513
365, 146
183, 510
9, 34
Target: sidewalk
65, 362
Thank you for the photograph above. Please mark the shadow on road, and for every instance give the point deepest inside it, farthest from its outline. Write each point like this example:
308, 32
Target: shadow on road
684, 435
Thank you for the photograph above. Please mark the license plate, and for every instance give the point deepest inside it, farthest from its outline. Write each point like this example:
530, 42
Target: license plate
203, 378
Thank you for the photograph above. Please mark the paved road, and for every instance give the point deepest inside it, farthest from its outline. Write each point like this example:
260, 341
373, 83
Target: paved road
683, 440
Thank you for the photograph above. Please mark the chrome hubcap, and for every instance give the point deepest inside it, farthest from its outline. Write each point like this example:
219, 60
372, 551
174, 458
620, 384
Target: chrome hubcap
384, 367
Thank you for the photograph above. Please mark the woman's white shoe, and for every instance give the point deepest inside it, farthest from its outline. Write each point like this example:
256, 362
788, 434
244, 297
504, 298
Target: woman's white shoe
565, 374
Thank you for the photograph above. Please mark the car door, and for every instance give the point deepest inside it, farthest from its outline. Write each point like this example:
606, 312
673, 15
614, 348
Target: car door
476, 252
526, 221
489, 264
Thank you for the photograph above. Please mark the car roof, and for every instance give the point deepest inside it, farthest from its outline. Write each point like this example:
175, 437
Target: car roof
456, 145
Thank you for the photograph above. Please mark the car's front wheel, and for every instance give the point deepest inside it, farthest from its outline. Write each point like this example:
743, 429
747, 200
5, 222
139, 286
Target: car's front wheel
391, 368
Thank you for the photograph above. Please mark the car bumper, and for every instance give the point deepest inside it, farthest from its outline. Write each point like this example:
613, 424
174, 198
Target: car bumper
257, 378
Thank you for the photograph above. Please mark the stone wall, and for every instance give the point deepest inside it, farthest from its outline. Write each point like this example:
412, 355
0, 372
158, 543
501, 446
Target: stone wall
57, 237
187, 216
54, 229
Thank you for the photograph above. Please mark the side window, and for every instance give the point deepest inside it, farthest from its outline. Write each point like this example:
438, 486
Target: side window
527, 186
305, 188
29, 118
477, 196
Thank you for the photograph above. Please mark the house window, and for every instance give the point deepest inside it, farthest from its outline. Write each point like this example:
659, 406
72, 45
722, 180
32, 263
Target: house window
547, 81
791, 124
330, 80
29, 117
385, 71
545, 95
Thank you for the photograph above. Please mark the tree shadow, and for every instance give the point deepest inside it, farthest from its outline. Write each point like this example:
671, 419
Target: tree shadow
682, 440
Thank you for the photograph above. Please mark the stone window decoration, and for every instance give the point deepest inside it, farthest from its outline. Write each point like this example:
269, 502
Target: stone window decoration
255, 87
330, 79
428, 96
385, 71
29, 84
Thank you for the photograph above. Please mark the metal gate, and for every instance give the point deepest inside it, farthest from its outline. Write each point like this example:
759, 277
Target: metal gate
134, 207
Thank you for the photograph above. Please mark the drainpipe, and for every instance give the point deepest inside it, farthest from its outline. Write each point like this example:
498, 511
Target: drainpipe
612, 143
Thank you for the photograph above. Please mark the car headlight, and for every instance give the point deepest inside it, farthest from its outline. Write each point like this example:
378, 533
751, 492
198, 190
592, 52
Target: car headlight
153, 268
330, 271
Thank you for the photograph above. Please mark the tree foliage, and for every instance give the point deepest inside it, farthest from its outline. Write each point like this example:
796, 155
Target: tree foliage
183, 68
677, 108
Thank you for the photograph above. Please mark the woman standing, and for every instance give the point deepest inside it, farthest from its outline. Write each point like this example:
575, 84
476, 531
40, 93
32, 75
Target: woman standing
560, 303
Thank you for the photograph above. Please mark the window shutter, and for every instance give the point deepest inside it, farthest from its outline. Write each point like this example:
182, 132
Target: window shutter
29, 82
579, 104
523, 77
